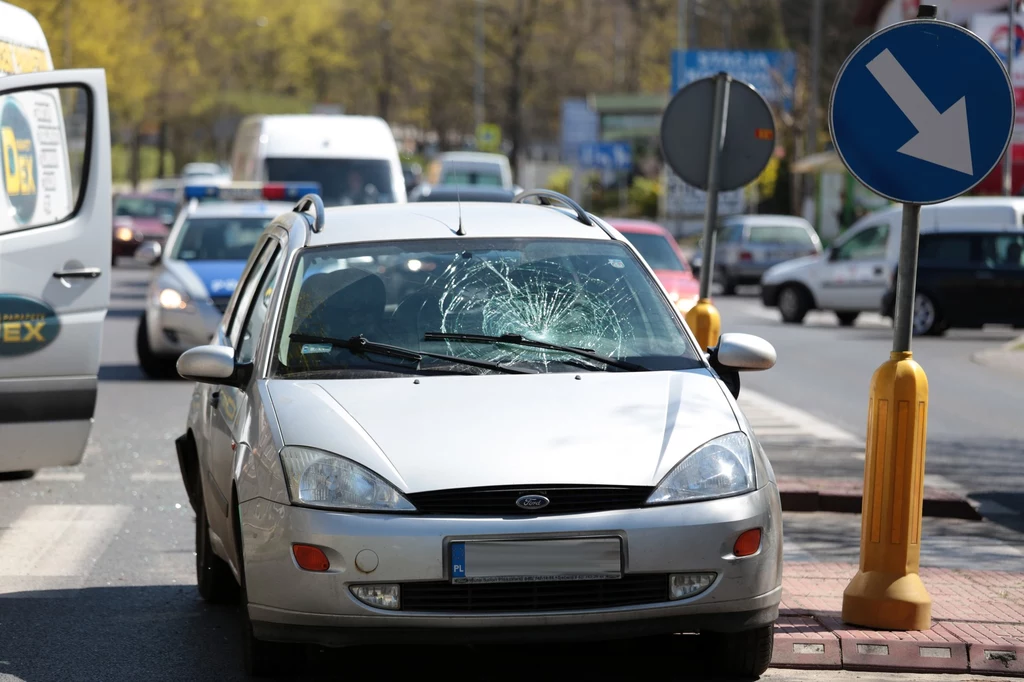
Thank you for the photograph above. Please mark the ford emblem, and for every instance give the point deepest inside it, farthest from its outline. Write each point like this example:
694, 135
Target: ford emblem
532, 502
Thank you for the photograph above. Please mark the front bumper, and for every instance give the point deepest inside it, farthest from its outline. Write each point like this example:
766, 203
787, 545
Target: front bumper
172, 332
290, 604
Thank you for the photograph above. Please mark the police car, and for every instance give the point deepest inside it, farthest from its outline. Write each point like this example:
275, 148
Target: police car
198, 268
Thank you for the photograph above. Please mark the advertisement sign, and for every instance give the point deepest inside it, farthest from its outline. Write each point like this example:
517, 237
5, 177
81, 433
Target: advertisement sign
580, 124
994, 29
771, 72
682, 199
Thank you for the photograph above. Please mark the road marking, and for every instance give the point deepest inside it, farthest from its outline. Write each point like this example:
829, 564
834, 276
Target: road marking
771, 418
58, 475
156, 477
57, 540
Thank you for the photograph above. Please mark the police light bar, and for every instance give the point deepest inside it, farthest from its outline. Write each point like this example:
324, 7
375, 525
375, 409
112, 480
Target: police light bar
289, 191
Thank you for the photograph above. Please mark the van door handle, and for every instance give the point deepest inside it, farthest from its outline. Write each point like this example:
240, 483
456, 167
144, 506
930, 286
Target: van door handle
879, 270
215, 399
78, 273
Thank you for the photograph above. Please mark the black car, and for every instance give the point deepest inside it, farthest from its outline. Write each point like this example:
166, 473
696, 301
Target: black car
461, 193
967, 279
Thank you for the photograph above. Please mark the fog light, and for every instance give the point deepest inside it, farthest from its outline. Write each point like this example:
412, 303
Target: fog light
310, 558
747, 543
379, 596
683, 585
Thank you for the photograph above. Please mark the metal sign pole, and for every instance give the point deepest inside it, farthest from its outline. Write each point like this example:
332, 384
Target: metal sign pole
906, 279
718, 130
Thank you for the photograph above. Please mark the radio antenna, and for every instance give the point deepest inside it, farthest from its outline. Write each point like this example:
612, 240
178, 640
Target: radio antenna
458, 199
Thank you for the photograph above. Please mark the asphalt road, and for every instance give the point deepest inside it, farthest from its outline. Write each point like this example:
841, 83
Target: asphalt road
97, 566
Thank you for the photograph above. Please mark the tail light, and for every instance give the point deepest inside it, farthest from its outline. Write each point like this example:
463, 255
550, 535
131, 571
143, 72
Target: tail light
746, 256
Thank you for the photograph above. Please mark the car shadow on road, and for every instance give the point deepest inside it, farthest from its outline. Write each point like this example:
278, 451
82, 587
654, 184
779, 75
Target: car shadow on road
165, 632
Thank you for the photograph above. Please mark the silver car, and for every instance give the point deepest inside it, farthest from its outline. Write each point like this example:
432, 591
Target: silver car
747, 245
447, 423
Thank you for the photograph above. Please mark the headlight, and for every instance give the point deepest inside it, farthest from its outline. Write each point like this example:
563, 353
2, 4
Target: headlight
320, 479
172, 299
124, 234
719, 468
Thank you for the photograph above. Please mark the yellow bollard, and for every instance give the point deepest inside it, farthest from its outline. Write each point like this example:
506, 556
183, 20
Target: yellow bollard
705, 322
887, 592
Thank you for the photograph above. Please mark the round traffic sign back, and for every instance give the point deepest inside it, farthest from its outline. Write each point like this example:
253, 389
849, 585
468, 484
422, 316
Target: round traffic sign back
749, 134
922, 111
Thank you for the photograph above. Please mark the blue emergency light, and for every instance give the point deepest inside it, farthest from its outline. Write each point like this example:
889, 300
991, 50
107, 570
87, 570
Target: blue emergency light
253, 191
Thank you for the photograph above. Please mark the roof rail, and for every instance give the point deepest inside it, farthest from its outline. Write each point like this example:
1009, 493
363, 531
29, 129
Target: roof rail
317, 204
546, 197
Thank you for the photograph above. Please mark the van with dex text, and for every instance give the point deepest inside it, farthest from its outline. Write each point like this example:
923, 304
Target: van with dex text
853, 275
55, 248
353, 158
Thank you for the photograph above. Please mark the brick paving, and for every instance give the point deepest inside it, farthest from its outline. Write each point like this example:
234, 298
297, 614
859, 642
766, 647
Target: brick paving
977, 624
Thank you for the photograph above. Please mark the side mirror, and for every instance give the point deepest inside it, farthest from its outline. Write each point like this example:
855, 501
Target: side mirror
744, 353
212, 365
148, 253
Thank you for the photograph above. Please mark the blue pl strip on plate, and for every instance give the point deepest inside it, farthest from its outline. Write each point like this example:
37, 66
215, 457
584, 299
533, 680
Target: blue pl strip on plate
458, 560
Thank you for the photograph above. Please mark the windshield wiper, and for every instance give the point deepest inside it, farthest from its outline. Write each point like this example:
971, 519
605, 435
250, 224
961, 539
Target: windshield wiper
361, 346
518, 340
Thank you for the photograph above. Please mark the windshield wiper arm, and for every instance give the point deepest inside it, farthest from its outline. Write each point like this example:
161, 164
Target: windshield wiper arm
518, 340
361, 345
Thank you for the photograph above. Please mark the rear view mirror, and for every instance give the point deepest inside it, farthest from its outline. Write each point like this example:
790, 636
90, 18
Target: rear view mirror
213, 365
148, 253
744, 353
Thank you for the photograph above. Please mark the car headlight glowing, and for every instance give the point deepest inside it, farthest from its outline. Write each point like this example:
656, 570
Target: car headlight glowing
172, 299
320, 479
719, 468
124, 234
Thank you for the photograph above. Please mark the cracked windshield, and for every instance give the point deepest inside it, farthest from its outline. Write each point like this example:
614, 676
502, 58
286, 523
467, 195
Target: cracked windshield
580, 294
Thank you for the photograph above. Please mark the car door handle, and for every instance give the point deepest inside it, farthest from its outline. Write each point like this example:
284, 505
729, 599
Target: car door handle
78, 273
879, 270
215, 399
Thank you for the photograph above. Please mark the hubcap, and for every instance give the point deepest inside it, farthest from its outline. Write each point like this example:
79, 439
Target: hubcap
924, 314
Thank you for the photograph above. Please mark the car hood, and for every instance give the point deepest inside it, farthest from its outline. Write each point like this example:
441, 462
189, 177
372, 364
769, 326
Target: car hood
214, 278
682, 283
149, 227
466, 431
778, 272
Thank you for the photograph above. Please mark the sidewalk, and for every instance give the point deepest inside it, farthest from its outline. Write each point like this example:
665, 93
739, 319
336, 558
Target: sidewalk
844, 495
977, 624
1007, 358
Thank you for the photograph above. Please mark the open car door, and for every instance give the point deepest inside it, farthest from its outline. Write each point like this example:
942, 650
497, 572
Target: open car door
55, 246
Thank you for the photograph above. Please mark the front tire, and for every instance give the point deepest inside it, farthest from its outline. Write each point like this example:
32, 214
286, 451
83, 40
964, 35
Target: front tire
214, 578
153, 366
794, 303
927, 318
741, 655
728, 285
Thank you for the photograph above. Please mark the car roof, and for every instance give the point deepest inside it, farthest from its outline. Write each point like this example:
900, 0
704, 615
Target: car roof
762, 219
971, 231
328, 136
440, 220
634, 226
240, 209
483, 157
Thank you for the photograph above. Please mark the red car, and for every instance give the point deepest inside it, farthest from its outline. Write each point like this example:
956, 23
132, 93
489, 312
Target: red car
662, 253
139, 218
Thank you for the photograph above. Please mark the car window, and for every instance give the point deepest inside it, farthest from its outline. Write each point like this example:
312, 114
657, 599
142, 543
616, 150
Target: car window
143, 207
780, 234
342, 181
580, 293
656, 250
867, 244
471, 173
238, 306
730, 234
947, 250
203, 239
258, 310
1003, 251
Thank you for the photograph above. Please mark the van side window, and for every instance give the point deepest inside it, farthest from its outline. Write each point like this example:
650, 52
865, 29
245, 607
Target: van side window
868, 244
1003, 251
43, 145
947, 250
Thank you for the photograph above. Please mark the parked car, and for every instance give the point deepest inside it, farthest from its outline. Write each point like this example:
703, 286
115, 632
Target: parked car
854, 273
966, 279
472, 168
531, 445
662, 253
748, 245
139, 218
461, 193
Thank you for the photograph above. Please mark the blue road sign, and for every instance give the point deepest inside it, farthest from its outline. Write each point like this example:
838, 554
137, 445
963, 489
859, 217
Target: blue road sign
611, 156
771, 72
580, 124
921, 111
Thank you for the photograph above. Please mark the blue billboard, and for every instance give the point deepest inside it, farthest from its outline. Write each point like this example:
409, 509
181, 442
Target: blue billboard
771, 72
580, 124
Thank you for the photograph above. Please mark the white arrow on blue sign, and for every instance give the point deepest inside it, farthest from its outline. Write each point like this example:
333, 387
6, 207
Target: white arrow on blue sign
614, 156
922, 111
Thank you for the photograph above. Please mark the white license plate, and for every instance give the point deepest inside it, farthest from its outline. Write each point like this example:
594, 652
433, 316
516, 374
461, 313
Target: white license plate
518, 561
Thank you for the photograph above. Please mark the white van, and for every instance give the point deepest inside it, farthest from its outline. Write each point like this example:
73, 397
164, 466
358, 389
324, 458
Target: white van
55, 218
853, 275
354, 158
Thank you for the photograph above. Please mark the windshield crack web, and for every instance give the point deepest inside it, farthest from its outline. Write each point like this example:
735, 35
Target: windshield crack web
540, 300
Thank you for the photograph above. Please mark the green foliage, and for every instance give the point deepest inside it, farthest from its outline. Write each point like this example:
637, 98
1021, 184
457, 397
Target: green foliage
149, 162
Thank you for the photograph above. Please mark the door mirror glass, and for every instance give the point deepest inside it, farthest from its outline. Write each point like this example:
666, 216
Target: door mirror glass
208, 364
744, 352
148, 253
